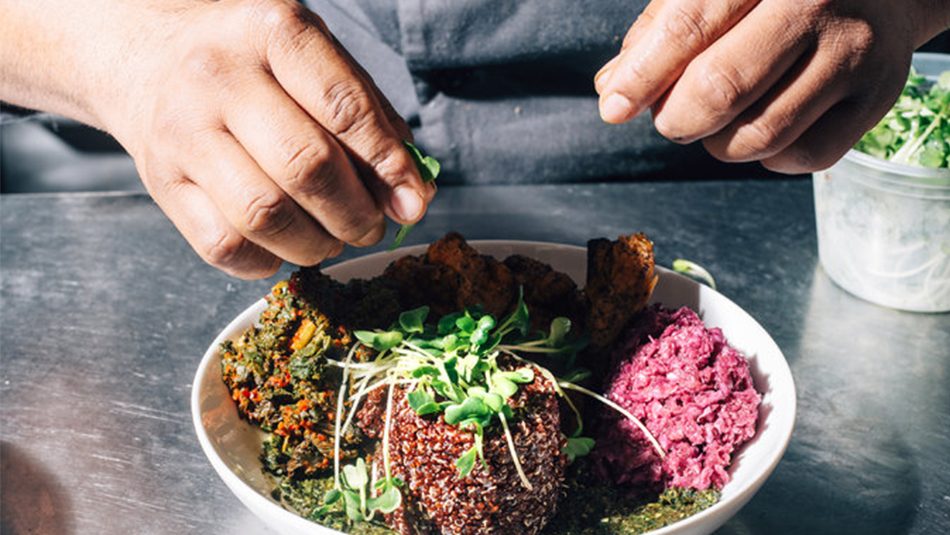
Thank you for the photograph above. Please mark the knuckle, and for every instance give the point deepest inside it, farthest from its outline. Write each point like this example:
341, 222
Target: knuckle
225, 251
288, 25
309, 169
267, 214
392, 164
755, 139
348, 107
363, 229
632, 71
373, 236
815, 8
687, 28
853, 45
281, 19
719, 89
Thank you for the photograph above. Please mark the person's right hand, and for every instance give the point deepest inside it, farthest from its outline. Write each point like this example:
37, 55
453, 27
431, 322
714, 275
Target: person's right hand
261, 138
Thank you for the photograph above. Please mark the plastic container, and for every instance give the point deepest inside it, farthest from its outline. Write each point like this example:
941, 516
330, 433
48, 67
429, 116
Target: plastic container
884, 228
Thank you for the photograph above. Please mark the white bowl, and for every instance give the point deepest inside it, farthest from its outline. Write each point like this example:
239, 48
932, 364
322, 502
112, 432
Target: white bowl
233, 446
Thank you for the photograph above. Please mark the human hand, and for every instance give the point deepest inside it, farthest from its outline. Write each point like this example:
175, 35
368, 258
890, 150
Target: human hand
261, 138
790, 83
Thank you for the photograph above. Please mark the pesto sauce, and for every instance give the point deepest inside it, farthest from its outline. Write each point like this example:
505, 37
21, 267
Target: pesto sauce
592, 508
588, 508
305, 496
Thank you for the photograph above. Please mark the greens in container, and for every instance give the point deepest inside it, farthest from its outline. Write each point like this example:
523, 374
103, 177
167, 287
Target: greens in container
916, 130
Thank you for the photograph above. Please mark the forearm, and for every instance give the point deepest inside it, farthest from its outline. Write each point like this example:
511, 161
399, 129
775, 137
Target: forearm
76, 58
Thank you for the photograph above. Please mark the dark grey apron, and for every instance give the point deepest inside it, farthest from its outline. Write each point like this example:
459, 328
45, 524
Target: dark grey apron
501, 91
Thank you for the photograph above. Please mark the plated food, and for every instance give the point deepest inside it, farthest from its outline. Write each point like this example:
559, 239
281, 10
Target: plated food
233, 446
462, 393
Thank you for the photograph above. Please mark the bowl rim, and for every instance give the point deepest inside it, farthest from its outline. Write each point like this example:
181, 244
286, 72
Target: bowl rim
236, 484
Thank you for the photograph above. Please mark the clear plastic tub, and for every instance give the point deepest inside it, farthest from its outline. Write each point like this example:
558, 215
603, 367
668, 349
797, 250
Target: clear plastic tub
884, 228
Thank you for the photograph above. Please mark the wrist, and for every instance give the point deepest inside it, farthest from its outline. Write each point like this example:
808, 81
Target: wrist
125, 65
85, 60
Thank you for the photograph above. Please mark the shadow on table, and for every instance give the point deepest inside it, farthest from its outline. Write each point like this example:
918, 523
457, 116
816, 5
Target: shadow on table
31, 499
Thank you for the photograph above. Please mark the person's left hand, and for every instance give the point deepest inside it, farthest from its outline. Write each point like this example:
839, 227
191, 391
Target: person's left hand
791, 83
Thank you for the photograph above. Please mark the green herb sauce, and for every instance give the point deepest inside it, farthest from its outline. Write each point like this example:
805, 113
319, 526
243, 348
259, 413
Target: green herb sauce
588, 507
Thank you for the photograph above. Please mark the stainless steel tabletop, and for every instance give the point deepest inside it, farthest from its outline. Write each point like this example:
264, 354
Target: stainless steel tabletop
106, 311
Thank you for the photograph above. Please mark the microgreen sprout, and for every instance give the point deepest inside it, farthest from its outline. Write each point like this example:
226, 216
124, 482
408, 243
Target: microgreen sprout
459, 369
695, 271
916, 130
429, 169
362, 496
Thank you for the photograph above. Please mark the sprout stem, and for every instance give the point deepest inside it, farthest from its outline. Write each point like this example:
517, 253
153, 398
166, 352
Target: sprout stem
386, 426
339, 416
694, 270
606, 401
514, 453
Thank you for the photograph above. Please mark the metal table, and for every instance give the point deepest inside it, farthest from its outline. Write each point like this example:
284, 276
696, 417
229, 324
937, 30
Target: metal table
106, 312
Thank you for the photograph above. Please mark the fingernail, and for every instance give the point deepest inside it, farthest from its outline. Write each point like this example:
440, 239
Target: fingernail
616, 108
407, 203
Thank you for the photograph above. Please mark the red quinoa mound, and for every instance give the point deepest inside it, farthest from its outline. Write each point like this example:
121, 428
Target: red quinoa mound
692, 391
491, 499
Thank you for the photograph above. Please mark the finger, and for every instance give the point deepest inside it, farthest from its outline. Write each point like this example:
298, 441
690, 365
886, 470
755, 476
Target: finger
303, 160
328, 87
644, 19
659, 52
825, 143
780, 117
255, 205
395, 120
219, 244
732, 74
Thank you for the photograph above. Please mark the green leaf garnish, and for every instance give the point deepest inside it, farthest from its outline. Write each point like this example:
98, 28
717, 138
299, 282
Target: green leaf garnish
560, 326
503, 386
469, 408
419, 398
413, 321
387, 502
428, 166
379, 340
429, 169
466, 462
521, 375
578, 447
577, 375
916, 130
332, 496
453, 367
356, 475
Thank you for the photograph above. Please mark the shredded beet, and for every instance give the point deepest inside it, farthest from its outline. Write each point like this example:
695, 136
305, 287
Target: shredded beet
695, 395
